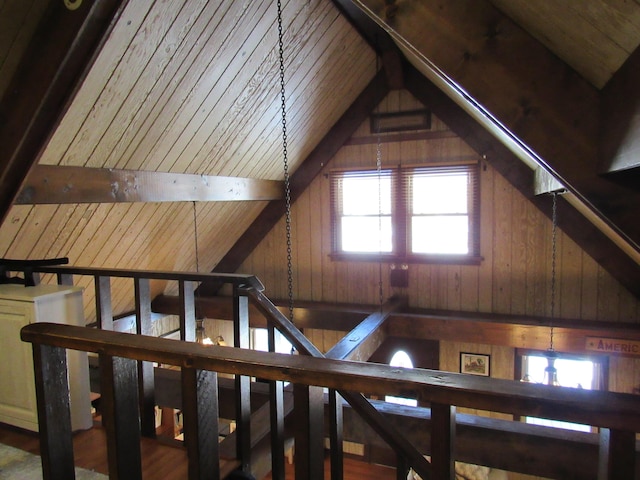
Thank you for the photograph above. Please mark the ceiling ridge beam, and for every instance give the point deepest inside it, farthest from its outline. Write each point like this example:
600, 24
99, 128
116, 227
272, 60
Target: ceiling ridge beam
56, 184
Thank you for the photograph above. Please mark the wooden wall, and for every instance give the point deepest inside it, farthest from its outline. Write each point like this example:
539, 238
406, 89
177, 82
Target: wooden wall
513, 278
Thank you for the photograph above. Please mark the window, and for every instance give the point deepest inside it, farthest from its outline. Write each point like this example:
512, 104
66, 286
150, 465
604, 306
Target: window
573, 371
410, 214
260, 341
401, 359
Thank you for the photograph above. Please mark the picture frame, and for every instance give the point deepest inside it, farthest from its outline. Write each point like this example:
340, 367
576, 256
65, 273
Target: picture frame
475, 364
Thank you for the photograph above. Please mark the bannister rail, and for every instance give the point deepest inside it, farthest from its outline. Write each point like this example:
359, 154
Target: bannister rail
617, 413
237, 279
128, 390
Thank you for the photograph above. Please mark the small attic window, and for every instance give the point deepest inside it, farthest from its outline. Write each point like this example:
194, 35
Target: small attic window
400, 121
401, 359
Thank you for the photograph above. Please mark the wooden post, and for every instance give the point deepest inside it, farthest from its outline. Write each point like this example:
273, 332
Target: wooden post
443, 425
309, 431
54, 414
402, 468
145, 369
187, 311
104, 310
104, 318
617, 454
276, 403
243, 385
119, 403
200, 410
65, 279
336, 435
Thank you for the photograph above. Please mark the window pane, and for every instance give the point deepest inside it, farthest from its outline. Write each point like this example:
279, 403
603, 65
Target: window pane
401, 359
440, 193
360, 195
571, 373
440, 234
366, 234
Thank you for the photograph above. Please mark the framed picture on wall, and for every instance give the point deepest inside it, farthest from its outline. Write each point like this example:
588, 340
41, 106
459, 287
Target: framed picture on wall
475, 363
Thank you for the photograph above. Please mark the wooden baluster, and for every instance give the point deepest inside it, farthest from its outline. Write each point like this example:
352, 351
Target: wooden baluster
54, 415
145, 369
443, 425
104, 311
243, 385
65, 279
187, 311
119, 403
402, 468
336, 435
309, 431
276, 395
617, 454
200, 411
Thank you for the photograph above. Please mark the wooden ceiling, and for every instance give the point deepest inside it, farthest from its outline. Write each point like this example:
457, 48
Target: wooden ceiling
193, 88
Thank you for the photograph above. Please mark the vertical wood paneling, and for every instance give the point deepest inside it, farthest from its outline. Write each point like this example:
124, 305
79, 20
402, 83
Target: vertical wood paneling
485, 270
502, 246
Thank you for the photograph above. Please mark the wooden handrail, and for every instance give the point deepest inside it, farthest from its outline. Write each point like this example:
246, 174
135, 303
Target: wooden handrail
615, 410
616, 413
237, 279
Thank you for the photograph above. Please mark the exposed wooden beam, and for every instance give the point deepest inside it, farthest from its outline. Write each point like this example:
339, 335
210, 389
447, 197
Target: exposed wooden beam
339, 133
507, 330
63, 47
582, 231
620, 136
519, 90
339, 317
361, 342
516, 331
51, 184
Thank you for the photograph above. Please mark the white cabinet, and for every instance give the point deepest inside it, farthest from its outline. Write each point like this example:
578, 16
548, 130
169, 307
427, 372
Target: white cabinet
19, 306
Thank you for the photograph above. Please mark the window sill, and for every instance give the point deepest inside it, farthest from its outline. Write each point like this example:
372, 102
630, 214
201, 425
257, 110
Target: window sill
411, 259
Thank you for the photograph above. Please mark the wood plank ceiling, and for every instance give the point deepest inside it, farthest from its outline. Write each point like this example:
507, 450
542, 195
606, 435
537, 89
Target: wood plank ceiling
192, 88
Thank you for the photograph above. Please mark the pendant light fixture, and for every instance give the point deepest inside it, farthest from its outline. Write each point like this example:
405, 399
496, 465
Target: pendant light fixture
550, 371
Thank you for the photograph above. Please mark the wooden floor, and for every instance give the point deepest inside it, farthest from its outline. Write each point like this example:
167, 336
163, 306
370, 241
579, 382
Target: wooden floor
159, 461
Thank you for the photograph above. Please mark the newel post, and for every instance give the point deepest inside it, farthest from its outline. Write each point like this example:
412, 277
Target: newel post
119, 404
54, 415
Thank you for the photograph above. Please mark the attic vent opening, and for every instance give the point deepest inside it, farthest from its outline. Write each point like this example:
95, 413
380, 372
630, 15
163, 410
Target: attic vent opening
410, 120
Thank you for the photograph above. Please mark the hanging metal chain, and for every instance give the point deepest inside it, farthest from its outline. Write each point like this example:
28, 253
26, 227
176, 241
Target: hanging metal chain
287, 186
554, 225
379, 168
